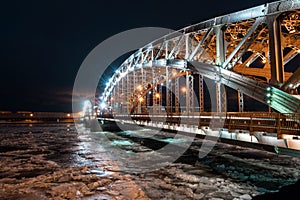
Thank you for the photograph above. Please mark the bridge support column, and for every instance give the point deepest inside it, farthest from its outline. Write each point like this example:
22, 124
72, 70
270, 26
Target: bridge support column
116, 99
169, 91
154, 92
160, 99
241, 101
220, 98
143, 102
220, 59
113, 101
177, 95
191, 95
123, 95
276, 58
201, 94
187, 96
128, 92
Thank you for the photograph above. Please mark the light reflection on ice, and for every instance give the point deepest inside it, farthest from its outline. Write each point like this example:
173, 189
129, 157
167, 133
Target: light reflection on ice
174, 140
52, 162
121, 143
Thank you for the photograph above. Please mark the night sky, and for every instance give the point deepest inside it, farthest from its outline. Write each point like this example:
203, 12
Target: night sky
43, 43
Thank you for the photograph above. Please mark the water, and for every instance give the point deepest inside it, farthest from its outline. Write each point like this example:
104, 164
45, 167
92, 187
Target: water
54, 161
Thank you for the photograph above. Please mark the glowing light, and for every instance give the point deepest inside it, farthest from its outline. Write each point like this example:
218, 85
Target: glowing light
269, 95
292, 30
157, 95
140, 87
268, 88
31, 115
174, 73
68, 115
87, 106
102, 105
141, 99
183, 89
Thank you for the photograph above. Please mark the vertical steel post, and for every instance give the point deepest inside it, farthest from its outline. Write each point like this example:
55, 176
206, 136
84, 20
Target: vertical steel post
191, 95
118, 98
219, 97
187, 96
160, 99
123, 93
167, 91
241, 101
220, 59
177, 96
201, 94
154, 98
276, 57
113, 101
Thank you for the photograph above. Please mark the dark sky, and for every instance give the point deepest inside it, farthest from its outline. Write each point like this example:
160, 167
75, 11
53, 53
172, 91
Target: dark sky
43, 43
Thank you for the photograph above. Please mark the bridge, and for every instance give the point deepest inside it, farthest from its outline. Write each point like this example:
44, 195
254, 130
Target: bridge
236, 76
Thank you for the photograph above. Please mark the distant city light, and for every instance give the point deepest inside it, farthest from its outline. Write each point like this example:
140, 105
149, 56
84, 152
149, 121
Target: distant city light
157, 95
31, 115
68, 115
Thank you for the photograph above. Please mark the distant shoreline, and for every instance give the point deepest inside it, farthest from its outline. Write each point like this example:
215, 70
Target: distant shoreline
11, 121
28, 117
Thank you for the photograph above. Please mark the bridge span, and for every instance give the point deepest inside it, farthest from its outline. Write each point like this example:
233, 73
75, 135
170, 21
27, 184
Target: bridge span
236, 75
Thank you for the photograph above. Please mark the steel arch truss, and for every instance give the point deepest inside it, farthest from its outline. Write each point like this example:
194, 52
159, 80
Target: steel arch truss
253, 51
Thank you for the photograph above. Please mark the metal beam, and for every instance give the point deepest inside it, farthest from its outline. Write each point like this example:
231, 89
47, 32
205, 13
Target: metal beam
248, 34
276, 57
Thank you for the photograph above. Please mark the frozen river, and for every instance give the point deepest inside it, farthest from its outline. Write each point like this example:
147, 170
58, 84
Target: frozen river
54, 161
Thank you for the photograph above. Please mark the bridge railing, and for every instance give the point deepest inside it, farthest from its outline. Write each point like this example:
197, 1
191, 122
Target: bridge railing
266, 122
269, 122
